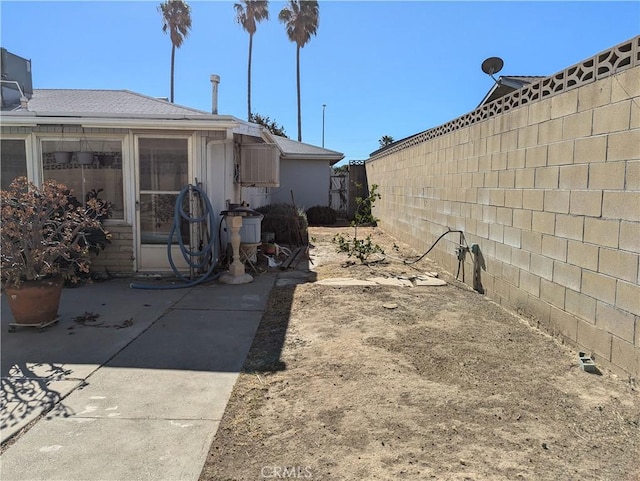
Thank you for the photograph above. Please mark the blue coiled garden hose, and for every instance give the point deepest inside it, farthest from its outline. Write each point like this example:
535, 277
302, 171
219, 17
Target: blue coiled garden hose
206, 254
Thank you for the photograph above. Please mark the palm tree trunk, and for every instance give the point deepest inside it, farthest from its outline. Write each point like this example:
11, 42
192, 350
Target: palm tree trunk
173, 58
299, 109
249, 78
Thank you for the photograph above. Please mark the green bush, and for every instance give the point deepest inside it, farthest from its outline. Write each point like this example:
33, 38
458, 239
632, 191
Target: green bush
321, 215
363, 214
361, 249
288, 224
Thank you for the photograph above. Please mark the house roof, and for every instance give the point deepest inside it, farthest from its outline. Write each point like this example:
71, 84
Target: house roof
124, 107
115, 108
105, 102
507, 84
115, 105
298, 150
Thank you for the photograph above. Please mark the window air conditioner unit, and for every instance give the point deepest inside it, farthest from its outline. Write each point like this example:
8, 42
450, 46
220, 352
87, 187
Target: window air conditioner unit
259, 165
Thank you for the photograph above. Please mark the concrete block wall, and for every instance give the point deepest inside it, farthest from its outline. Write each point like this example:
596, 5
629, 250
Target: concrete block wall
550, 191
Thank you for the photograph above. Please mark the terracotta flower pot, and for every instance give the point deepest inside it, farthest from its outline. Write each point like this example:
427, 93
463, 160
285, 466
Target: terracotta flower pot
269, 249
35, 302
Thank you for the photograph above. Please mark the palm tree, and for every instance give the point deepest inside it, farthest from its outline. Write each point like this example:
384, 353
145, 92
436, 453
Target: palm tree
249, 15
176, 19
386, 140
301, 18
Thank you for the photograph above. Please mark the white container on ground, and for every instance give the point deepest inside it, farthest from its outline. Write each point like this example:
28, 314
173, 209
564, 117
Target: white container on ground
250, 230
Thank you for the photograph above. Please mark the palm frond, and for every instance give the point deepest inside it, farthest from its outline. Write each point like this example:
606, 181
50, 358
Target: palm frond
176, 20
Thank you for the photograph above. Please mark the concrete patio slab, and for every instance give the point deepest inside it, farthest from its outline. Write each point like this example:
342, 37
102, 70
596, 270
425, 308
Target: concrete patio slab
82, 449
70, 350
150, 394
23, 400
126, 400
244, 297
193, 340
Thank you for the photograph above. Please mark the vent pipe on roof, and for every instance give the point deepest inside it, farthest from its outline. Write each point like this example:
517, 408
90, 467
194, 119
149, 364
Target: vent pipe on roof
215, 81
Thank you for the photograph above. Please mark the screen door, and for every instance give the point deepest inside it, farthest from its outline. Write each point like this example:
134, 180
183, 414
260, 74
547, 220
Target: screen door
163, 170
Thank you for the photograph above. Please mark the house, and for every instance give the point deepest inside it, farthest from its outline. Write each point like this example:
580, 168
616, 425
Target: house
505, 85
305, 170
138, 153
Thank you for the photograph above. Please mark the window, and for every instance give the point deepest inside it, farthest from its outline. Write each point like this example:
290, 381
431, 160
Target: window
13, 160
87, 165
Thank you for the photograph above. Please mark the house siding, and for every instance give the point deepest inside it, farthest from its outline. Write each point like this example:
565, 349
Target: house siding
295, 176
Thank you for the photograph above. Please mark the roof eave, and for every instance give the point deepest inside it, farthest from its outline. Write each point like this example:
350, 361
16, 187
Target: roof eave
503, 83
331, 158
123, 121
489, 94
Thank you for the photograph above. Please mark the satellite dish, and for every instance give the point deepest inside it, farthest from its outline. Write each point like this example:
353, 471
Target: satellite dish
492, 65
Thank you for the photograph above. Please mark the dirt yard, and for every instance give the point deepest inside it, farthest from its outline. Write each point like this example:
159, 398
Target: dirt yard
437, 382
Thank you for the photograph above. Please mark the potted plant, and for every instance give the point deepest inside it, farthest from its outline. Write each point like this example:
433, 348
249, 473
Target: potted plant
97, 207
106, 158
96, 239
62, 157
85, 156
44, 242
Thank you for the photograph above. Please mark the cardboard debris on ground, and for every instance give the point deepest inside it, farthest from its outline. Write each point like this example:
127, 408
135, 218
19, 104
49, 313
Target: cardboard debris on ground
391, 281
345, 281
422, 281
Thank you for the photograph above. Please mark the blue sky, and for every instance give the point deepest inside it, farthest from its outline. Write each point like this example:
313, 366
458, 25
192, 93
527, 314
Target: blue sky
382, 68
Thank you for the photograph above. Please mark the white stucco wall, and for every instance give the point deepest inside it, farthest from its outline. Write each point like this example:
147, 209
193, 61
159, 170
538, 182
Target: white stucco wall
220, 186
256, 196
309, 180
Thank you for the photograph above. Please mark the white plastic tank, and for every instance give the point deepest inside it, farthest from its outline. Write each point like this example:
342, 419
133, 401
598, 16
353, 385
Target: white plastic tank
250, 230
